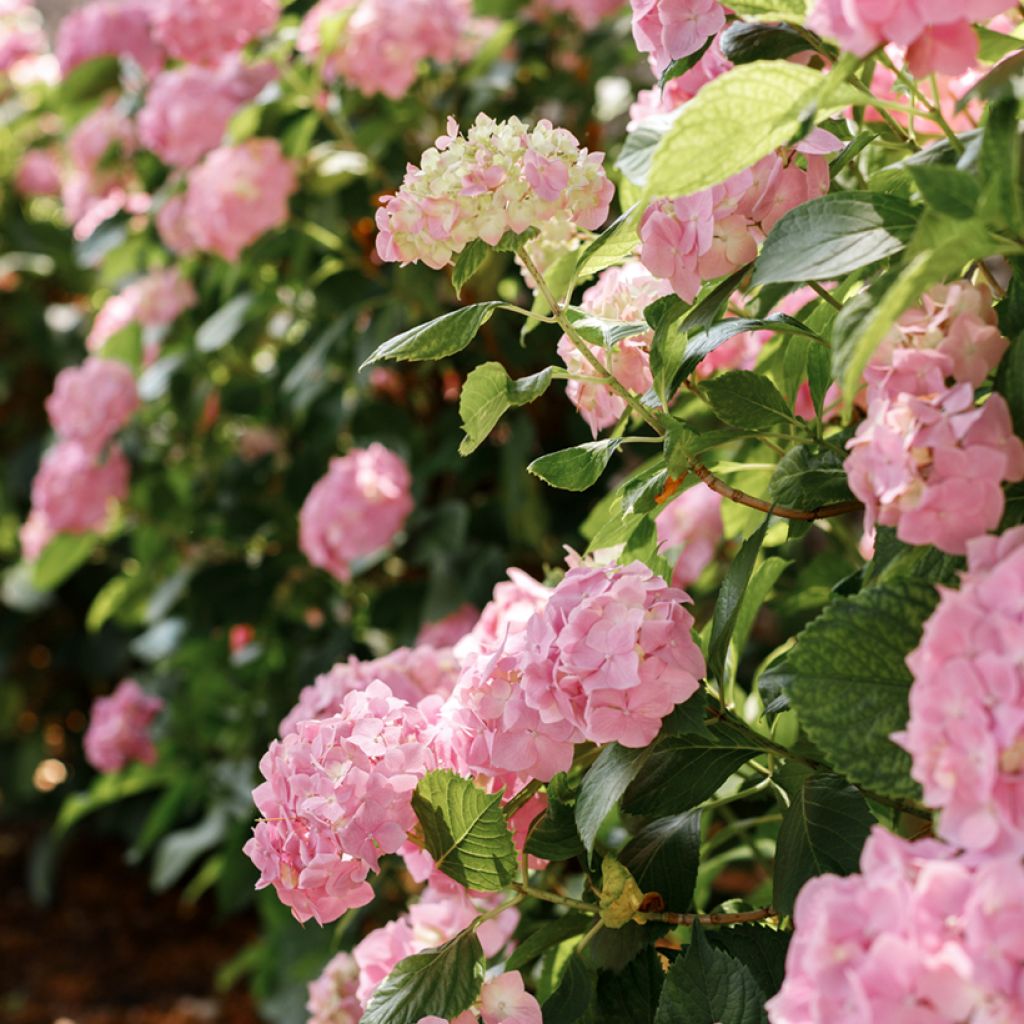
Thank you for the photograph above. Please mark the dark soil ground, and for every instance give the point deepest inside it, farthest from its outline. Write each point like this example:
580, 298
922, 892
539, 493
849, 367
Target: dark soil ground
108, 951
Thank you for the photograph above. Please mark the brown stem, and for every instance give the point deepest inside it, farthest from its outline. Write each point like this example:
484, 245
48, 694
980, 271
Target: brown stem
667, 917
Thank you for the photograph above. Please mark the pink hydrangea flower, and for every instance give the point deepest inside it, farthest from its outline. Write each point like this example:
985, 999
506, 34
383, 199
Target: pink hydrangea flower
920, 935
611, 654
356, 510
332, 996
73, 489
109, 28
21, 33
670, 29
513, 602
155, 300
937, 35
203, 31
589, 13
447, 632
39, 173
384, 42
923, 446
690, 529
34, 535
236, 195
966, 727
620, 293
188, 108
119, 728
502, 176
172, 225
957, 320
412, 673
337, 797
92, 402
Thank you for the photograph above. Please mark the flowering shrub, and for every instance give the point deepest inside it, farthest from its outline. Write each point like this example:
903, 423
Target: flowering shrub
718, 322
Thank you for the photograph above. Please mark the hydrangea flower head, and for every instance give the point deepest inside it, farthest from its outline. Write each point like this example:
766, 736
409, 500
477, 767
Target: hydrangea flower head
119, 728
670, 29
203, 31
74, 487
109, 28
155, 300
90, 403
690, 529
332, 995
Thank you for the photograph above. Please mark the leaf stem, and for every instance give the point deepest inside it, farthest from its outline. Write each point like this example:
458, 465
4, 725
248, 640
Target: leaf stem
826, 295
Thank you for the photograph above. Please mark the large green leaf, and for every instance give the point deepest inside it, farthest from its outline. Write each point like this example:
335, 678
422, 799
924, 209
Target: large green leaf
575, 469
544, 936
223, 326
631, 993
808, 477
703, 343
438, 338
613, 245
66, 553
603, 785
553, 834
747, 399
823, 832
757, 107
574, 994
707, 986
850, 681
438, 982
465, 830
663, 857
833, 235
488, 394
760, 948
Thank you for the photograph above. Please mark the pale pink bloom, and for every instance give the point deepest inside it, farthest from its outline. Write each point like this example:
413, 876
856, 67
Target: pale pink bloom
34, 535
109, 28
332, 996
555, 237
611, 654
92, 402
155, 300
502, 176
966, 727
690, 530
172, 225
39, 173
589, 13
923, 446
412, 673
73, 489
504, 1000
447, 632
21, 33
674, 235
238, 194
188, 108
670, 29
513, 602
337, 797
203, 31
355, 510
384, 42
119, 728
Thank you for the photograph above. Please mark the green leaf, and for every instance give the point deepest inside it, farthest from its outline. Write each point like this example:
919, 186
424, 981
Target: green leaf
995, 45
64, 555
663, 857
613, 245
823, 832
1000, 167
630, 995
642, 142
111, 596
438, 338
465, 830
553, 834
682, 771
467, 263
575, 469
761, 949
703, 343
946, 189
777, 10
549, 934
747, 399
179, 850
766, 575
603, 785
707, 986
106, 790
222, 327
743, 42
808, 477
757, 107
730, 596
488, 394
833, 235
620, 896
574, 994
850, 681
88, 79
438, 982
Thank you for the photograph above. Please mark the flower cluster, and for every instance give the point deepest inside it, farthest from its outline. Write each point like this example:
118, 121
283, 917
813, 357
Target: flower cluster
502, 176
938, 37
337, 797
921, 935
447, 632
21, 33
39, 173
90, 403
670, 29
513, 602
332, 996
714, 232
203, 31
966, 727
621, 293
110, 28
690, 530
188, 108
412, 673
154, 301
119, 728
380, 44
503, 1000
355, 510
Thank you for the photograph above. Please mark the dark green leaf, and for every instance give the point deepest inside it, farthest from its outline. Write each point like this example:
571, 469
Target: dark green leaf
442, 337
488, 394
850, 681
574, 994
743, 42
703, 343
467, 263
773, 687
638, 150
575, 469
808, 477
465, 831
946, 189
438, 982
761, 949
549, 934
630, 995
823, 832
606, 781
553, 834
995, 45
833, 235
222, 327
747, 399
689, 717
663, 858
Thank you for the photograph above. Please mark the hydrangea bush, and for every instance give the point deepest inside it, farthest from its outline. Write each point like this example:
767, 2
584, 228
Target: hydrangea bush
686, 689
